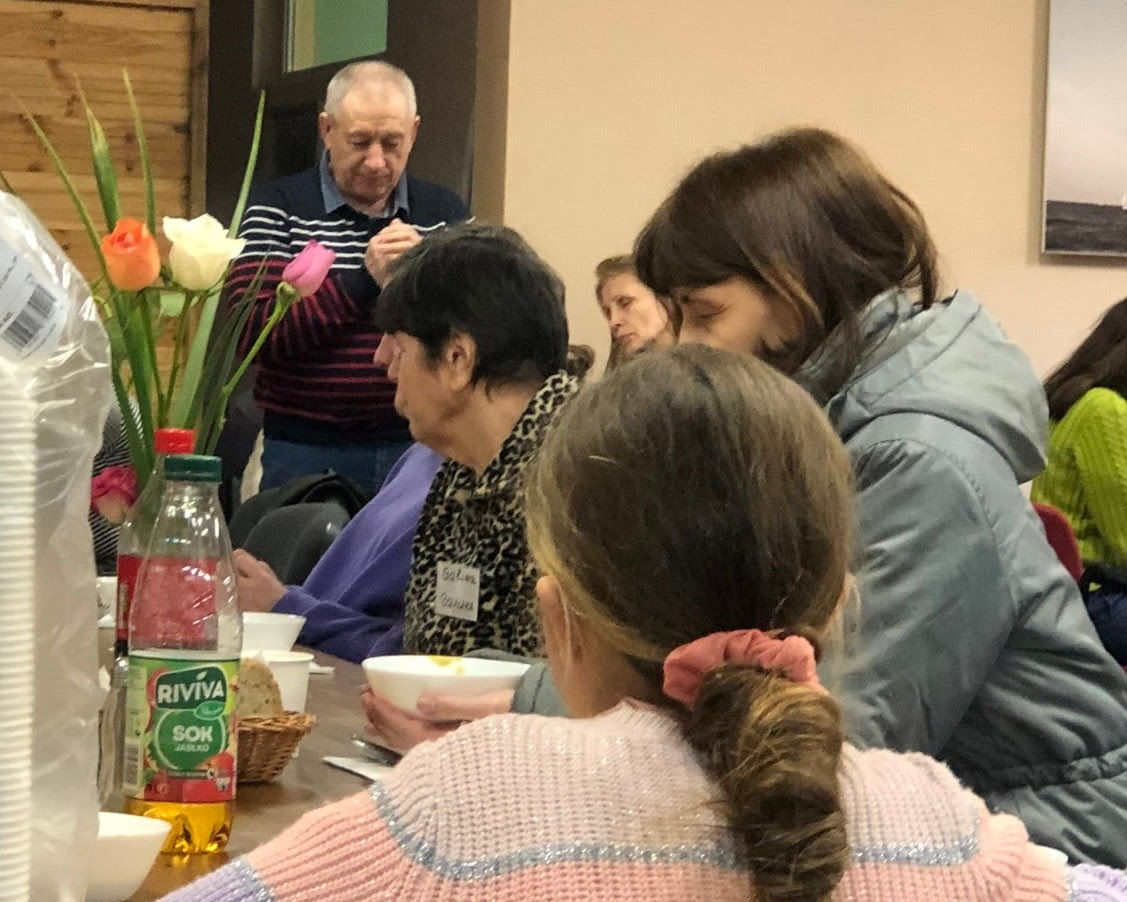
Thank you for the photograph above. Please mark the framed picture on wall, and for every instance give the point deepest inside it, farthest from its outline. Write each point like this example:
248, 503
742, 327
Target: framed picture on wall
1085, 187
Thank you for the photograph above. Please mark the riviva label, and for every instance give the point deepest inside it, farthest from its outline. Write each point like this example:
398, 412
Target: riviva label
180, 737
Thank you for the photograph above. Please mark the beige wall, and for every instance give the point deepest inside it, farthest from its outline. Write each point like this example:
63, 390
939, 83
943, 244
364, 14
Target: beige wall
610, 100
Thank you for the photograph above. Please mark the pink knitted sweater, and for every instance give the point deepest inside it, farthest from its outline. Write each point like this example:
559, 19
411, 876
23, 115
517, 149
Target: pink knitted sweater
617, 808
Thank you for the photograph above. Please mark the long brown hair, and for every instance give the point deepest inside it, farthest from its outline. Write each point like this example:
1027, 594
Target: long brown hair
1099, 362
743, 495
804, 216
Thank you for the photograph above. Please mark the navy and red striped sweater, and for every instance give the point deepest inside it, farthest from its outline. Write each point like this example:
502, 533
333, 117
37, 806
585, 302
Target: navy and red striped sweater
316, 381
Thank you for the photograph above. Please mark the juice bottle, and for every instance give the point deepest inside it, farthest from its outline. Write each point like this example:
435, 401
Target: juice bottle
185, 636
136, 531
131, 543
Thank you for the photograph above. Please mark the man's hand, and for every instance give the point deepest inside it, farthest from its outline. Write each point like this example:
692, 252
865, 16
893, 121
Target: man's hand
388, 245
438, 715
258, 586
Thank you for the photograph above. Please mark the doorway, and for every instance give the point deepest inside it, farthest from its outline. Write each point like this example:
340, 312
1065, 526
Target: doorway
434, 41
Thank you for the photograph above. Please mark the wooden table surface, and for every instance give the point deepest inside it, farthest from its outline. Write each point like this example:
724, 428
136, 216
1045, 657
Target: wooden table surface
263, 810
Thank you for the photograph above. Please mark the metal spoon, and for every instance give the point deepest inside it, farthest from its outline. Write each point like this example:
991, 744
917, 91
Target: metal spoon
373, 751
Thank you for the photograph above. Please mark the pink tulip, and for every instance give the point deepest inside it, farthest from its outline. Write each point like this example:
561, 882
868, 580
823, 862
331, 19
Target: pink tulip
307, 270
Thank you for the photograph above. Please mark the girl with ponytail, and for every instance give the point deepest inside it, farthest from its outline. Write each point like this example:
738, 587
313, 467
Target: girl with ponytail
690, 515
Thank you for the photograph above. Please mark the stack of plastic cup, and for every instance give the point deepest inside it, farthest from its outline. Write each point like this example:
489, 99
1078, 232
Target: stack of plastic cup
17, 634
52, 406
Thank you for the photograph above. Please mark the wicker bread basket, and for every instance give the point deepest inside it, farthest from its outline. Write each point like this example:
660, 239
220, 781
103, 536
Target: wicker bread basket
266, 744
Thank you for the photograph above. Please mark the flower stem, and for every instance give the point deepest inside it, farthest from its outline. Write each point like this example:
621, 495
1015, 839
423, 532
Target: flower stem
138, 360
177, 353
139, 453
151, 349
283, 299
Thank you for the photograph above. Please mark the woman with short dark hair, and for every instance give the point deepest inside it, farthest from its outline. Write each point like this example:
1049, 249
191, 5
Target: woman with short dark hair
476, 343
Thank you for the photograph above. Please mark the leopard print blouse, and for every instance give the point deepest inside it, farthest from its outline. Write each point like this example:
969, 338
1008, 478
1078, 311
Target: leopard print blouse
479, 523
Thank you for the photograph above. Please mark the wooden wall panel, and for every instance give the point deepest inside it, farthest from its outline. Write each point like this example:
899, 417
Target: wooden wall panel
48, 50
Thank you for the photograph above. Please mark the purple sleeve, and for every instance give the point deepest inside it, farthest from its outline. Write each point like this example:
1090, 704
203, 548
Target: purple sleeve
236, 882
353, 600
1096, 883
389, 642
350, 630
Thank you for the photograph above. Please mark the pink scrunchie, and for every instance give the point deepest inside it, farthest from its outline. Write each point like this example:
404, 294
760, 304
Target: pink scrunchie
687, 665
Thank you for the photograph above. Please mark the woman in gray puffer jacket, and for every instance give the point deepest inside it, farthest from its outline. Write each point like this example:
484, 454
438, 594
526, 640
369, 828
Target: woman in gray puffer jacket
971, 642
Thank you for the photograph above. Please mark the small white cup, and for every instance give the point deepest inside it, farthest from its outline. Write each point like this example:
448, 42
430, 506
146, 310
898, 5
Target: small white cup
269, 630
291, 670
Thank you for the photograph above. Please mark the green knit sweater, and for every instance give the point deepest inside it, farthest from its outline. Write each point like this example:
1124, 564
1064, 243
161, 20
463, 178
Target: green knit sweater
1086, 476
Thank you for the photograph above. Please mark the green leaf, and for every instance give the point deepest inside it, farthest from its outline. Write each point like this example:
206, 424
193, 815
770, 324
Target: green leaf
182, 414
178, 346
146, 314
140, 453
226, 329
216, 383
172, 303
248, 174
135, 318
118, 349
143, 151
212, 709
104, 173
68, 183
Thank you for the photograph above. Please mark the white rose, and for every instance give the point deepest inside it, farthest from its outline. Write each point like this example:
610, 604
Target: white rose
201, 250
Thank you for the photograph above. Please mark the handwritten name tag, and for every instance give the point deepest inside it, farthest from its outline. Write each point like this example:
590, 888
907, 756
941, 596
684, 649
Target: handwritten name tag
456, 590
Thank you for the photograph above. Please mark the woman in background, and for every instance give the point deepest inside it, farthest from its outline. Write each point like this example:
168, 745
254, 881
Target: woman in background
1086, 475
637, 319
705, 760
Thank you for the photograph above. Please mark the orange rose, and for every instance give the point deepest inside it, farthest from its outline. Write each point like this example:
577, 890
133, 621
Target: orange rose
132, 259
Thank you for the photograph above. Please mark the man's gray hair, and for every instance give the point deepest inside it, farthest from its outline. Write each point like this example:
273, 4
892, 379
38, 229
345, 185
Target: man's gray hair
366, 72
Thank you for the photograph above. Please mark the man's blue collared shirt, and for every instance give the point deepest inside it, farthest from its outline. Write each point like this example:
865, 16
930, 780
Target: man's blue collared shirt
333, 199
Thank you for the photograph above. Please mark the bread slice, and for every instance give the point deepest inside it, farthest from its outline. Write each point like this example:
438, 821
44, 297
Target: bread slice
258, 694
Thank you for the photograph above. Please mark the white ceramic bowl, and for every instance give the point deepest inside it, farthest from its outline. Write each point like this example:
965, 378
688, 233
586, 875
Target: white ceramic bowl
270, 632
125, 850
401, 679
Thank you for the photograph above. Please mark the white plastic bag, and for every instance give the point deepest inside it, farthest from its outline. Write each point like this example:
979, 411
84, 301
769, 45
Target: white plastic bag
54, 395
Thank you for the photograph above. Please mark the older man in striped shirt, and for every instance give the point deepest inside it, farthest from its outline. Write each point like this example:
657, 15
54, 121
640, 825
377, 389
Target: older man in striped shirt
325, 404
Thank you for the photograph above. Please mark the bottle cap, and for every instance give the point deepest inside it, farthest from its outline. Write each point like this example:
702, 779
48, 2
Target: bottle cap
174, 441
193, 468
